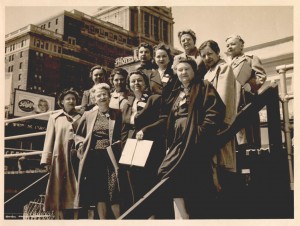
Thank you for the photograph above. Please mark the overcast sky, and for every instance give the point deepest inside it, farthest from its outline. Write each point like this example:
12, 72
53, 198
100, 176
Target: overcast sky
256, 24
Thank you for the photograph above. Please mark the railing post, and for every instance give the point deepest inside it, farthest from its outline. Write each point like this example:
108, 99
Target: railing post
287, 127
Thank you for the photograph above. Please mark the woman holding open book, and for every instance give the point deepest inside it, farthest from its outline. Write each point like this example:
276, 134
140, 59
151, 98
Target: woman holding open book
97, 139
140, 120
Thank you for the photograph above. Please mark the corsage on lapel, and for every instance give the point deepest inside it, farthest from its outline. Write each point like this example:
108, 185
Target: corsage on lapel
142, 103
165, 78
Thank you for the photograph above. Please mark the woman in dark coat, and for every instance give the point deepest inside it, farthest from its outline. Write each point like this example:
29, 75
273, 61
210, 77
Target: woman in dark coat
193, 118
59, 140
140, 120
98, 181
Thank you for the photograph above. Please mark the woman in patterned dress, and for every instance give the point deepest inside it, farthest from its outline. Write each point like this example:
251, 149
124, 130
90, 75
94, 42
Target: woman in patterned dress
98, 130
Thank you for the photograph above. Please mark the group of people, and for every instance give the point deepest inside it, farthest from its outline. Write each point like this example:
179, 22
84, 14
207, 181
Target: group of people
180, 104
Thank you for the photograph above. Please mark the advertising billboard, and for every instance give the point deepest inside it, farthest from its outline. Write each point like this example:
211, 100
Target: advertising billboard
27, 103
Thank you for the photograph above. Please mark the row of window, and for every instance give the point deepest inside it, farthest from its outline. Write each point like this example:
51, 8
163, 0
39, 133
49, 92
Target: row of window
11, 68
12, 57
47, 46
15, 46
43, 26
147, 27
96, 30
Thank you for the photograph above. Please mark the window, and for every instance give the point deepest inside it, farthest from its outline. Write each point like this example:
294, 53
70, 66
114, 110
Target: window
72, 40
165, 31
59, 49
46, 45
54, 48
42, 44
115, 37
20, 67
56, 21
22, 43
12, 57
6, 48
19, 86
37, 43
10, 68
106, 33
56, 31
13, 46
146, 24
20, 77
156, 28
49, 24
21, 54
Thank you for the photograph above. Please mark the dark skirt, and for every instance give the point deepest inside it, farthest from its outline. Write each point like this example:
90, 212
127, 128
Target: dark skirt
102, 183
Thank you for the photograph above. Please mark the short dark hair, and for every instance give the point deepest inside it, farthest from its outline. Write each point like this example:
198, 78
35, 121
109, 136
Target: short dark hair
64, 93
146, 46
100, 68
119, 71
189, 32
165, 47
212, 44
139, 72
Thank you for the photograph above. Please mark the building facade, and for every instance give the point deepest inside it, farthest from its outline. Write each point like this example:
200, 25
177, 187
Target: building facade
58, 53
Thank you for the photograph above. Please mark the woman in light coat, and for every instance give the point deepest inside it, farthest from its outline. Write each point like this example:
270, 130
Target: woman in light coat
250, 77
59, 140
221, 76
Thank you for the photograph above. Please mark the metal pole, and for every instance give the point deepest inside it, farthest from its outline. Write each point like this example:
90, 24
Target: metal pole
23, 154
287, 127
26, 188
25, 135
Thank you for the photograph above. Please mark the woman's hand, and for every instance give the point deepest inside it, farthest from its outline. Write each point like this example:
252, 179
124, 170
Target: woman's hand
140, 135
80, 151
48, 168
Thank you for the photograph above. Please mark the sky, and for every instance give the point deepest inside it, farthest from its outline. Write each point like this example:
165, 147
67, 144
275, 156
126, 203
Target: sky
256, 24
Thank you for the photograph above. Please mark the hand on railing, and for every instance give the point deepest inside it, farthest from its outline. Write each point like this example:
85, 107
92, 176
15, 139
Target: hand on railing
48, 168
80, 151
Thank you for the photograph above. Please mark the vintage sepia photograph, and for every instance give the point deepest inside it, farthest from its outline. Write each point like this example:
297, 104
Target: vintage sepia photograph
172, 112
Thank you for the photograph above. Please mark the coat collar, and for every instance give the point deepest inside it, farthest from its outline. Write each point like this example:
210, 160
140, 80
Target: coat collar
62, 112
237, 60
213, 72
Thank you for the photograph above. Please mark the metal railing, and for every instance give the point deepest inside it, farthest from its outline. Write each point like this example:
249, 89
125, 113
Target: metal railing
285, 98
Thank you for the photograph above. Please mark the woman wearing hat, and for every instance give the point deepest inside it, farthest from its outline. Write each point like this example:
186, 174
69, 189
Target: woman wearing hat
196, 113
61, 187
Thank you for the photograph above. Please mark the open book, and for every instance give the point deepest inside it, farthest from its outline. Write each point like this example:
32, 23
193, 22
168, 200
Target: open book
136, 152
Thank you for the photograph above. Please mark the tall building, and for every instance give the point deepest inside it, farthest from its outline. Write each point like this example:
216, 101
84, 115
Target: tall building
149, 23
58, 53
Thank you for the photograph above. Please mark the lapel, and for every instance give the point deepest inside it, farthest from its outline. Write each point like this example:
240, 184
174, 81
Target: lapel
129, 109
111, 125
91, 122
237, 61
155, 77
